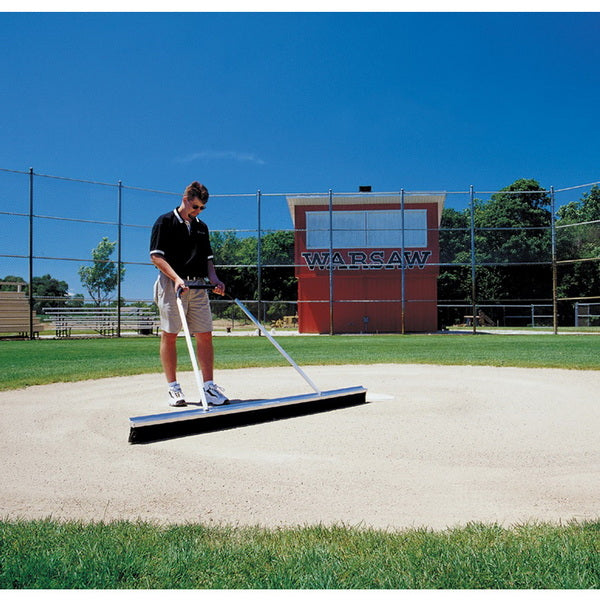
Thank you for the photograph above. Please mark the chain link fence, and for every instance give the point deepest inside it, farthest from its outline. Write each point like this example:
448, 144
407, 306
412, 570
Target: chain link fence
503, 263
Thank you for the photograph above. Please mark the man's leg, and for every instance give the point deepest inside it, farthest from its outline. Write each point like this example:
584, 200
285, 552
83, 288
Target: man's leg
205, 354
168, 355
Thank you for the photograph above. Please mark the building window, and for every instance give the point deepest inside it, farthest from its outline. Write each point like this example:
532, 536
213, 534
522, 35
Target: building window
367, 229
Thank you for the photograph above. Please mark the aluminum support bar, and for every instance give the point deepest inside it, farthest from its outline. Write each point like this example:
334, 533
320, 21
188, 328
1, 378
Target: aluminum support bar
276, 344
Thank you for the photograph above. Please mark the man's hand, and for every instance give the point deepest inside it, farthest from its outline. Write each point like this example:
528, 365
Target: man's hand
180, 286
219, 287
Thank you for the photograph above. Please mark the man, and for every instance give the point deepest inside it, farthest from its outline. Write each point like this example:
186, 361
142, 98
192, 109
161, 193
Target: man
180, 249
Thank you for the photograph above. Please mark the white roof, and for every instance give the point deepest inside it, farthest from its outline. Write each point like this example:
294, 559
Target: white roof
365, 200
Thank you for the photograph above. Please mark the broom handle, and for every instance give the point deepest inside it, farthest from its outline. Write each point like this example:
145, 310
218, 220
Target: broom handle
283, 352
188, 339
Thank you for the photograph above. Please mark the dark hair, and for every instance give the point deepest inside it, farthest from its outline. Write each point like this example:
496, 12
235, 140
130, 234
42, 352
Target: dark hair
196, 190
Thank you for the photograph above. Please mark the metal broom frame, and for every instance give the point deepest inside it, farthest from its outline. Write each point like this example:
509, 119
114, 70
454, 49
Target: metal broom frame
208, 286
175, 424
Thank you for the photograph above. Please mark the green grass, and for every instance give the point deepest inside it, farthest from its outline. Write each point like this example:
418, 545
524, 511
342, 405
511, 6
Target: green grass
70, 555
24, 363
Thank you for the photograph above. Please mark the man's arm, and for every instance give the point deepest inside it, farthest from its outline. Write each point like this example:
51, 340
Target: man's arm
213, 278
164, 267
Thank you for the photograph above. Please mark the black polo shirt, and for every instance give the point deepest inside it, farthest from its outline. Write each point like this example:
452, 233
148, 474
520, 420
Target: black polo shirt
187, 251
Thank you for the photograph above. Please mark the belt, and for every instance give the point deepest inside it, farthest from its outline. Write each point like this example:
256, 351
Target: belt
192, 278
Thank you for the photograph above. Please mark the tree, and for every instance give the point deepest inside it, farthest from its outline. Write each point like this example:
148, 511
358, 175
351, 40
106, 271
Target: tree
582, 240
512, 248
454, 281
584, 210
101, 278
514, 227
279, 283
13, 288
45, 288
239, 257
513, 244
578, 240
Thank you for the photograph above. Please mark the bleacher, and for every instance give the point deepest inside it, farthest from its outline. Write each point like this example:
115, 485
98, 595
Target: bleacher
15, 313
481, 319
102, 320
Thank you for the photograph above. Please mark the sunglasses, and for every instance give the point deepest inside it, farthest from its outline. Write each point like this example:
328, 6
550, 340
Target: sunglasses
198, 206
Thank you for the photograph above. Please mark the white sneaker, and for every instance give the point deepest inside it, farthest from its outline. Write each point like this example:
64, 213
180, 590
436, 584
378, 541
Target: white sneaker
214, 395
176, 397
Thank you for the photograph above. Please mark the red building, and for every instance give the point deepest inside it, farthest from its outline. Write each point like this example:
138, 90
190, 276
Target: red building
352, 275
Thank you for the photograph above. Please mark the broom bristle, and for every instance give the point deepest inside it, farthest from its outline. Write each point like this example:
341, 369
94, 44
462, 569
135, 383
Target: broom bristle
275, 410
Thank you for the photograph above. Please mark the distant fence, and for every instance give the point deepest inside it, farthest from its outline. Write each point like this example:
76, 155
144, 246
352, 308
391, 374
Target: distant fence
587, 314
497, 315
51, 223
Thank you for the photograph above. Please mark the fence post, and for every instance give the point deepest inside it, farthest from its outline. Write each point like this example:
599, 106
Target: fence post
554, 267
30, 276
258, 257
473, 266
119, 230
403, 274
331, 262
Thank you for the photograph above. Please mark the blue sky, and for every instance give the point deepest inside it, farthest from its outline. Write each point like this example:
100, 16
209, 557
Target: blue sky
301, 102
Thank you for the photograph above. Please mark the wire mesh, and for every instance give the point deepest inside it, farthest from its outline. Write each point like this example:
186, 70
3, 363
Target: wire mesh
504, 253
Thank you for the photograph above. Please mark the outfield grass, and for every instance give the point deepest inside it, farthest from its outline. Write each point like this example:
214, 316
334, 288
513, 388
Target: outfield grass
49, 554
25, 362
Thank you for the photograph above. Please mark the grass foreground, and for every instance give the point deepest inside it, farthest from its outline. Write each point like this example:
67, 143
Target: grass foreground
24, 362
125, 555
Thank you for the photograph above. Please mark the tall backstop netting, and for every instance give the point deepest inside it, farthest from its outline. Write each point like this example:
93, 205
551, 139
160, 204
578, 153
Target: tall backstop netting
320, 262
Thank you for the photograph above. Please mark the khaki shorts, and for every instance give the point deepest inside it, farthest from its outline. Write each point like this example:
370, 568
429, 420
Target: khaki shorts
195, 304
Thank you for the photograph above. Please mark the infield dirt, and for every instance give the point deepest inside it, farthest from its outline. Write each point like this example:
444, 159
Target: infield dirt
434, 446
